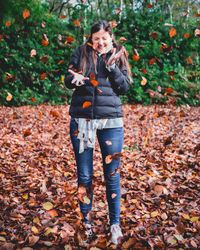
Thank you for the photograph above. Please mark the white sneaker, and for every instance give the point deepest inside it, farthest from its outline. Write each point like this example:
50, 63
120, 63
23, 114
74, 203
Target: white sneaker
116, 233
88, 229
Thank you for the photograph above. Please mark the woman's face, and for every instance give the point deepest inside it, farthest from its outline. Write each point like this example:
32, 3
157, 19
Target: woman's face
102, 41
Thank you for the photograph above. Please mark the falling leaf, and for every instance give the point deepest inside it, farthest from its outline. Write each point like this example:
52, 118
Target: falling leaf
143, 81
62, 16
197, 32
169, 90
8, 23
189, 60
43, 25
45, 42
26, 14
94, 82
77, 23
86, 104
154, 35
33, 53
44, 59
9, 97
60, 62
117, 11
149, 5
43, 76
172, 32
186, 35
47, 205
152, 61
69, 39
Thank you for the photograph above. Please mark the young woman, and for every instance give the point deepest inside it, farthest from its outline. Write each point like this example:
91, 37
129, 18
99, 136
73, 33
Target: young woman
99, 72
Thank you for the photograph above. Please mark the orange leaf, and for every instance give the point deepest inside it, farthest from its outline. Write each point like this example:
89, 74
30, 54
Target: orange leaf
172, 32
33, 99
144, 71
53, 213
92, 75
43, 76
153, 35
144, 81
69, 39
9, 97
86, 104
186, 35
8, 23
26, 14
62, 16
149, 6
45, 42
136, 57
94, 82
61, 62
77, 23
152, 61
169, 90
189, 60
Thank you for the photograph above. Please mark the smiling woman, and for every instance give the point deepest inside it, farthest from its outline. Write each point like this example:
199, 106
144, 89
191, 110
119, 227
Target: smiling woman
99, 72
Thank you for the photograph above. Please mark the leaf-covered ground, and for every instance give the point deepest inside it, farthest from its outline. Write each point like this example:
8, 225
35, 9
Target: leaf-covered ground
159, 178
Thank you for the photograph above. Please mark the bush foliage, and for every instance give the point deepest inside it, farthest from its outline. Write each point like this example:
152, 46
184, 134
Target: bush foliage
36, 40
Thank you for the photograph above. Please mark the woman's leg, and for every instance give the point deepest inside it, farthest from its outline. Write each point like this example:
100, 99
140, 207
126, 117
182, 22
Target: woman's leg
84, 162
111, 141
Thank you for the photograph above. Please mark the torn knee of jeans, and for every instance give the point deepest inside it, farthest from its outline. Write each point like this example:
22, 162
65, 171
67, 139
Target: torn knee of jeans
117, 170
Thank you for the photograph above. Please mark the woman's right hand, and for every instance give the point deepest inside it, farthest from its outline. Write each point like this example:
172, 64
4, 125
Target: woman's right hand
78, 79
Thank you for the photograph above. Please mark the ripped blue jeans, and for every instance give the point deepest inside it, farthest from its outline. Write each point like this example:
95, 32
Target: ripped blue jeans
84, 162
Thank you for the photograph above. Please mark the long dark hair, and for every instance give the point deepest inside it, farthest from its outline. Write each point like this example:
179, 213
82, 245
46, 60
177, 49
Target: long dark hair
103, 25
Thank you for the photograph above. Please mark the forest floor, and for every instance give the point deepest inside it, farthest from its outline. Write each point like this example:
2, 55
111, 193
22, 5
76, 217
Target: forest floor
159, 180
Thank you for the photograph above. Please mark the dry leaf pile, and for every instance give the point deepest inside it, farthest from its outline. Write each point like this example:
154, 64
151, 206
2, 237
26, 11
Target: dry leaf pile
159, 178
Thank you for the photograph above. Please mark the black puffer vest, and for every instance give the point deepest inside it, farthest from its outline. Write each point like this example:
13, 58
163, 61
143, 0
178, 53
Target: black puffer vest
103, 99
